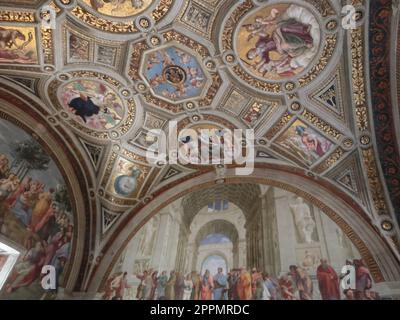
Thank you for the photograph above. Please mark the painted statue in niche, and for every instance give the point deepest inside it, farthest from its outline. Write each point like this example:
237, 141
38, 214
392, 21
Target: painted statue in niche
119, 8
18, 45
93, 103
147, 241
309, 258
304, 222
35, 211
174, 74
304, 142
279, 41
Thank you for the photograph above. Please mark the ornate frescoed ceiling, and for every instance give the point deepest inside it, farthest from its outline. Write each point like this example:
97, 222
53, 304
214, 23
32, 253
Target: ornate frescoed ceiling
91, 79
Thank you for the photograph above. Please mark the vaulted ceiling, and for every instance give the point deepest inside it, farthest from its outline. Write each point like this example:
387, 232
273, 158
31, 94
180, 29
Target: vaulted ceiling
204, 63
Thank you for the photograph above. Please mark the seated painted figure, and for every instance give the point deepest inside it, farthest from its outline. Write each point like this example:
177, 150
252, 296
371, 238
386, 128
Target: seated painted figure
84, 107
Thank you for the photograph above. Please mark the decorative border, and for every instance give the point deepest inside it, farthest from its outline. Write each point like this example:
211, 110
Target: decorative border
380, 70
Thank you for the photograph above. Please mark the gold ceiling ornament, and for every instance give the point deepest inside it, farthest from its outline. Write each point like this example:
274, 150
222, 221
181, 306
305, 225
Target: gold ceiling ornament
348, 143
323, 7
284, 120
295, 106
362, 117
358, 84
330, 161
329, 48
290, 86
103, 24
321, 125
47, 45
17, 16
387, 225
375, 184
331, 25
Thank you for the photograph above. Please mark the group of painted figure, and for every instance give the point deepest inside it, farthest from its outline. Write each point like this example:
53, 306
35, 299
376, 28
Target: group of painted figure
241, 284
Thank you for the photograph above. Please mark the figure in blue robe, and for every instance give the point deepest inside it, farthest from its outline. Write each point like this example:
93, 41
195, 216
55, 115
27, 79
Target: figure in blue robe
22, 211
220, 285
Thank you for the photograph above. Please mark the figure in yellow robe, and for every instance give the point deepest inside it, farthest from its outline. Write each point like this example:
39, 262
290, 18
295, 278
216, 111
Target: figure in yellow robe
42, 206
244, 285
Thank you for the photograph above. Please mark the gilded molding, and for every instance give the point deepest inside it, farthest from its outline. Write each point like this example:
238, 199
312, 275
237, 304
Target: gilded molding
17, 16
321, 124
359, 95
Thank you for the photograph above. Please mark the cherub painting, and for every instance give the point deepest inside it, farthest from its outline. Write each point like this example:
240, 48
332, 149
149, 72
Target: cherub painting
18, 45
174, 74
119, 8
93, 103
304, 142
279, 42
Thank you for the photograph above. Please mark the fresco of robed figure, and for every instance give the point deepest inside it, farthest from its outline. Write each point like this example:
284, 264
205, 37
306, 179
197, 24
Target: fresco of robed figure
278, 41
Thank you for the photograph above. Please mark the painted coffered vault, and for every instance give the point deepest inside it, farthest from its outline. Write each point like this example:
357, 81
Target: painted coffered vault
325, 117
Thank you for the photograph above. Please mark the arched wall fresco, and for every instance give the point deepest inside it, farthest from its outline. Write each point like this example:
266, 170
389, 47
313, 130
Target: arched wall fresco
344, 212
45, 205
311, 111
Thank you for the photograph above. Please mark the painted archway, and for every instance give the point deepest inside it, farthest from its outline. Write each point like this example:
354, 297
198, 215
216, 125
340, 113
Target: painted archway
217, 226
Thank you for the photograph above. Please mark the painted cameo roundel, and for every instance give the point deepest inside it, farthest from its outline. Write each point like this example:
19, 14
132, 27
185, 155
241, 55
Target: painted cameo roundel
278, 41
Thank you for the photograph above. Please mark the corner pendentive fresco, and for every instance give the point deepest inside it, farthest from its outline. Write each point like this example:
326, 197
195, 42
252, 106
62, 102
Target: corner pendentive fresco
35, 212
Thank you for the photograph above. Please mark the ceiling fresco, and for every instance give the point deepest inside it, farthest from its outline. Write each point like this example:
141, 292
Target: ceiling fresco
105, 73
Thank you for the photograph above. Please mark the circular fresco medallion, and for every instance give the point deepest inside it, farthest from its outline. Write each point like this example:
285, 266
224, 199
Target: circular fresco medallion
175, 75
278, 41
119, 8
92, 103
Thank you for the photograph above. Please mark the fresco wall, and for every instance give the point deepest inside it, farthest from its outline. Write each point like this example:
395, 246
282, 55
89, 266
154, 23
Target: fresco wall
287, 243
35, 212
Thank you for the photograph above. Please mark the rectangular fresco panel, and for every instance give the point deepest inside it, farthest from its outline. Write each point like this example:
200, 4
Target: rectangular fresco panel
304, 143
18, 45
